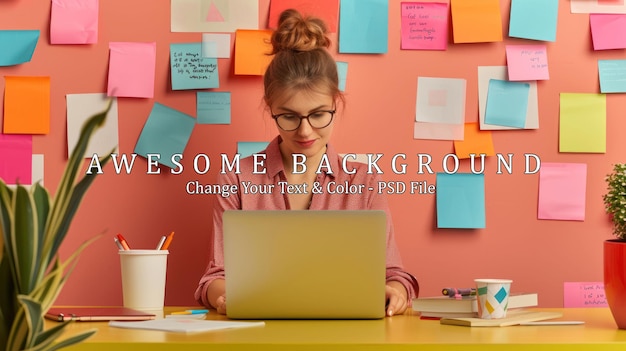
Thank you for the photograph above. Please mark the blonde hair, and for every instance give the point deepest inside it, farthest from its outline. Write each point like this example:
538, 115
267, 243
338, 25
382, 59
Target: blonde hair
301, 59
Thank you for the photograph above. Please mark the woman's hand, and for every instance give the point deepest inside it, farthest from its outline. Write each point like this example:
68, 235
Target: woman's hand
396, 297
220, 304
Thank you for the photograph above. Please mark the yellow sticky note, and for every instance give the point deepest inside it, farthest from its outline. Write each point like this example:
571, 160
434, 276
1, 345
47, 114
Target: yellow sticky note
27, 105
475, 21
582, 123
475, 142
252, 49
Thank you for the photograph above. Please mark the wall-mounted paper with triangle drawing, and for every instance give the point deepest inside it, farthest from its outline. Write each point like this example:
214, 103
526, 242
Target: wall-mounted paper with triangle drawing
214, 14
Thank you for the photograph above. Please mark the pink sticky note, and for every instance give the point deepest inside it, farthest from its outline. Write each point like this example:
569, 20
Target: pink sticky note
584, 294
607, 31
74, 22
562, 189
16, 160
131, 69
424, 26
527, 62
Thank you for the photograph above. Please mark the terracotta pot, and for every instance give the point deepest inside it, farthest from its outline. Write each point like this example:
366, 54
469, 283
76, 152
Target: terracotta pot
615, 279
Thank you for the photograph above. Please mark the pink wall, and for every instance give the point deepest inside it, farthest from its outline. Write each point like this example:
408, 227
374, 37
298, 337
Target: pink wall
539, 255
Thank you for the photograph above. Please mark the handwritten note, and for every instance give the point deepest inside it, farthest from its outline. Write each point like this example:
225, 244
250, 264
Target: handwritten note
612, 76
584, 294
190, 70
424, 26
527, 62
213, 107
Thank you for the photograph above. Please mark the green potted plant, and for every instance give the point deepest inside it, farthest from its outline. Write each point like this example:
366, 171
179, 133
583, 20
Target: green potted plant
615, 249
32, 227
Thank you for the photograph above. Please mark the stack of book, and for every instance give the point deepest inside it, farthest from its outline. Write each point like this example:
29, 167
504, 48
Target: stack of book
465, 306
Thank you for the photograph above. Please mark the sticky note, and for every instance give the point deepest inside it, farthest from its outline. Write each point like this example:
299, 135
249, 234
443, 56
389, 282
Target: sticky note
81, 107
527, 62
475, 142
17, 46
247, 148
582, 123
326, 10
216, 45
27, 105
606, 31
213, 107
16, 158
363, 26
190, 70
584, 294
440, 100
215, 16
534, 19
475, 21
131, 69
252, 49
424, 26
460, 200
507, 103
612, 76
342, 71
74, 22
165, 134
562, 189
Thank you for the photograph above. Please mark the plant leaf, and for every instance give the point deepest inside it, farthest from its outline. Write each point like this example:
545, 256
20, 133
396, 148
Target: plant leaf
75, 339
24, 240
34, 318
41, 200
6, 220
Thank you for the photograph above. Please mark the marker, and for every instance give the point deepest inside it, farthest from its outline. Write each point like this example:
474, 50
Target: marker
160, 244
453, 292
191, 312
119, 245
168, 241
123, 242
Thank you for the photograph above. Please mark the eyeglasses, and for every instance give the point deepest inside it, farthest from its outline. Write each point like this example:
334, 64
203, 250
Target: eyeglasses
291, 121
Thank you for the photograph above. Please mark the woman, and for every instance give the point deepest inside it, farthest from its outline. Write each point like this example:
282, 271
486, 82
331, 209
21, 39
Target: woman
302, 92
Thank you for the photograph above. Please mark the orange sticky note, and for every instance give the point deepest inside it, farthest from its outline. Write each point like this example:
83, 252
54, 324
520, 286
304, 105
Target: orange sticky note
252, 49
476, 21
475, 142
27, 105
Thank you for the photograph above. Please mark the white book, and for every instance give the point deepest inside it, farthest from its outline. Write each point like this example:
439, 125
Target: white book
182, 325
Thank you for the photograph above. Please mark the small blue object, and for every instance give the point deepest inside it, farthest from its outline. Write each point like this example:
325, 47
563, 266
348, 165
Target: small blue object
197, 311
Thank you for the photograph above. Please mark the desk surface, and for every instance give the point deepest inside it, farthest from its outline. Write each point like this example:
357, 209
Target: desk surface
405, 332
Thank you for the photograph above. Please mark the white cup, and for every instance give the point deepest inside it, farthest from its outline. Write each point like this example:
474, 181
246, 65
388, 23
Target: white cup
493, 297
143, 278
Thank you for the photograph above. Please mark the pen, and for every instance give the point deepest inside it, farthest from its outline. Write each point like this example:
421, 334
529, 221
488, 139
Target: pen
123, 242
160, 244
168, 241
119, 245
191, 312
452, 292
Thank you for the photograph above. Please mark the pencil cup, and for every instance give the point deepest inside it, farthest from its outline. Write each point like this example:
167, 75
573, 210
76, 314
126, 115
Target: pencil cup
492, 297
143, 278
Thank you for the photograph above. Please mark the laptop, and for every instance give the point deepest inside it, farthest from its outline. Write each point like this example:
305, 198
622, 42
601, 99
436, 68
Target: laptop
292, 264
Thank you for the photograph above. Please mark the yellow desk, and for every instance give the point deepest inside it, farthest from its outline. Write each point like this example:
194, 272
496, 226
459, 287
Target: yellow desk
406, 332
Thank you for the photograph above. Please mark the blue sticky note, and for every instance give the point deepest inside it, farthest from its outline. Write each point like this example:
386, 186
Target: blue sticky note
612, 76
363, 26
342, 71
17, 46
190, 70
247, 148
165, 133
460, 200
507, 103
213, 107
534, 19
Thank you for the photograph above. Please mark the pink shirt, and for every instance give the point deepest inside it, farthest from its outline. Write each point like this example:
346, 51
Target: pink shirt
275, 200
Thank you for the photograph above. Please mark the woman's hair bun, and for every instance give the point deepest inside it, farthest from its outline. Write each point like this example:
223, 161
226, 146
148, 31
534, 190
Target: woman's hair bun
298, 33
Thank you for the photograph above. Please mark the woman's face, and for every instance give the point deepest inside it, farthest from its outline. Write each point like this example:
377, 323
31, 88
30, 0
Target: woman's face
306, 139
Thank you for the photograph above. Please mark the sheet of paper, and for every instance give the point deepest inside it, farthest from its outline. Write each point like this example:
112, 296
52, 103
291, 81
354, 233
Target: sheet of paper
606, 31
326, 10
486, 74
460, 200
534, 19
424, 26
476, 21
364, 26
17, 46
582, 123
597, 6
251, 52
26, 105
16, 161
475, 142
612, 76
562, 188
180, 325
342, 71
527, 62
213, 107
216, 16
440, 100
81, 107
247, 148
216, 45
74, 22
584, 294
438, 131
190, 70
131, 69
507, 103
165, 133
